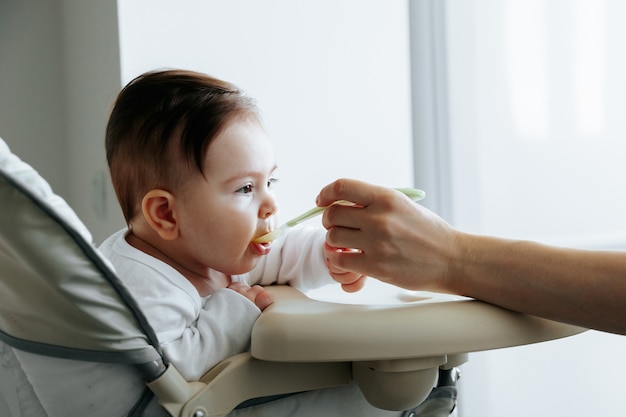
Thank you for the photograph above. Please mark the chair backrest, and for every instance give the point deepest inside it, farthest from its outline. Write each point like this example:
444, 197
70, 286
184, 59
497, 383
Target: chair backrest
63, 311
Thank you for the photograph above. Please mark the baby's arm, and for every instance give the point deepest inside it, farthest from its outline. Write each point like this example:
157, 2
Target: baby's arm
297, 259
196, 337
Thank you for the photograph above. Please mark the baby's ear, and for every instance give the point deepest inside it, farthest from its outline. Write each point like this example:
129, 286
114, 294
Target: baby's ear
158, 210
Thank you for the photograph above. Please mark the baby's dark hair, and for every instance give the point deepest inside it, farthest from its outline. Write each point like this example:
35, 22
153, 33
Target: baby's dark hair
162, 120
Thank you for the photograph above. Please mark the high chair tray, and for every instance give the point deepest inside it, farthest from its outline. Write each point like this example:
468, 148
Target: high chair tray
299, 329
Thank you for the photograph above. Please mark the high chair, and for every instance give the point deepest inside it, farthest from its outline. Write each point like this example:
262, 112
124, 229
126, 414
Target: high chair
74, 342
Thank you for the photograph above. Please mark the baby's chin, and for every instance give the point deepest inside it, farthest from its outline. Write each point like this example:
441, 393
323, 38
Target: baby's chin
246, 264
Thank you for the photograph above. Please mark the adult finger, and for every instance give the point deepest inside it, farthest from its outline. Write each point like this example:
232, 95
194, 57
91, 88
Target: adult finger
346, 261
347, 238
356, 191
355, 285
343, 216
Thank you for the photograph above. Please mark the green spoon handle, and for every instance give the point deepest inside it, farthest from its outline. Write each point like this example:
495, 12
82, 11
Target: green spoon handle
413, 193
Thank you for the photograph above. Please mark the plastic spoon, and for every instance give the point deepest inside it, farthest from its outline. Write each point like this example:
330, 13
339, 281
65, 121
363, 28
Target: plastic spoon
413, 193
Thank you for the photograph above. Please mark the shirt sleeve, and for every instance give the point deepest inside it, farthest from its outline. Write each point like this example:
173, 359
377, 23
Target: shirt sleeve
296, 259
222, 329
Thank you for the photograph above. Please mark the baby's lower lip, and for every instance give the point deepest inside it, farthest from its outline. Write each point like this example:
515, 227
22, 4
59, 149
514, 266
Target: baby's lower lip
262, 248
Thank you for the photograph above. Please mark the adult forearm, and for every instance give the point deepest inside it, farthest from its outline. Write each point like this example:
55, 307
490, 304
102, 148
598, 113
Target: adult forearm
587, 288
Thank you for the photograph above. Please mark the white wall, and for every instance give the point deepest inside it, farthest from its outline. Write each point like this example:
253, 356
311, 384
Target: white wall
92, 75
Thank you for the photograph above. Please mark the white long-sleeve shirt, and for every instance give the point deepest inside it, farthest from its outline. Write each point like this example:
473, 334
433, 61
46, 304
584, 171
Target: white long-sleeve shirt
197, 332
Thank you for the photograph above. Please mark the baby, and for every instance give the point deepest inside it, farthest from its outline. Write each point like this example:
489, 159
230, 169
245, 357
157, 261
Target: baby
193, 170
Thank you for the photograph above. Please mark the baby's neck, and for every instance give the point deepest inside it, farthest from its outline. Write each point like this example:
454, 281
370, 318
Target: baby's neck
206, 284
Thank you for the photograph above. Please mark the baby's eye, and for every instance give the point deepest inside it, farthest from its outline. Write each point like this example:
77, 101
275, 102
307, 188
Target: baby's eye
271, 182
246, 189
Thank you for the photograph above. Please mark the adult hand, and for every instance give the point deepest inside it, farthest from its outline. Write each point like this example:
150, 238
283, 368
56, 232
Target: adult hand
350, 281
403, 243
394, 239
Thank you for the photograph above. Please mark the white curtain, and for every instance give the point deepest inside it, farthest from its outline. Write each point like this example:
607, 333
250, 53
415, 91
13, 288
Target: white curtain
533, 129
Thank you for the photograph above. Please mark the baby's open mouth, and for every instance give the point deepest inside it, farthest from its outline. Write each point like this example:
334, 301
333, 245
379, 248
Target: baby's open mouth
262, 248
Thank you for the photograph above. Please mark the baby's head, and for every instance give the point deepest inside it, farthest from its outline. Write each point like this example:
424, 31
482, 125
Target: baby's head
160, 128
192, 167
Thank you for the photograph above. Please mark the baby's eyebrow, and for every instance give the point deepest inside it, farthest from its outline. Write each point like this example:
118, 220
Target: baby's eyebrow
251, 174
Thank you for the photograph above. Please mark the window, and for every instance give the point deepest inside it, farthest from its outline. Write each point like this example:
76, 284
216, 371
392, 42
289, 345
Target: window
534, 125
521, 132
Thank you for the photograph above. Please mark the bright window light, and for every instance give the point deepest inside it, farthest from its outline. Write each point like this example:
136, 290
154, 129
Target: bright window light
526, 58
589, 66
